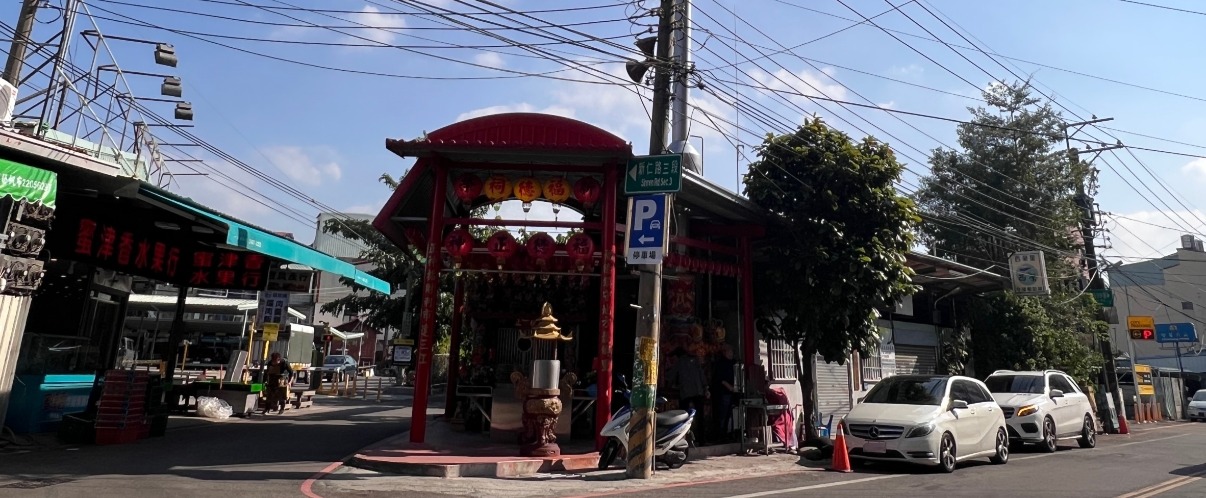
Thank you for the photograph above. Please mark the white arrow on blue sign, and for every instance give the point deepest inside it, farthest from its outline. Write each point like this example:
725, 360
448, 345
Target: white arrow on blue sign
645, 239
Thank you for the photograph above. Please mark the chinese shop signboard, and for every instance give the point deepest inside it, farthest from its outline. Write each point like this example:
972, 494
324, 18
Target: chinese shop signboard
158, 254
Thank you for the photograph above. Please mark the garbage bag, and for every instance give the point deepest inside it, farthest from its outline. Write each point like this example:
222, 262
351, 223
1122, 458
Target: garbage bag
213, 408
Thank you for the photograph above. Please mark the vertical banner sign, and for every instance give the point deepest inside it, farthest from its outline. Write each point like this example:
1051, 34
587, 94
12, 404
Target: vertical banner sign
1028, 271
273, 307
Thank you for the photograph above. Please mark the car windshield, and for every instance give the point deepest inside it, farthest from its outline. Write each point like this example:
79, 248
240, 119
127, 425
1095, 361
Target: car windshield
1199, 396
908, 391
334, 360
1016, 384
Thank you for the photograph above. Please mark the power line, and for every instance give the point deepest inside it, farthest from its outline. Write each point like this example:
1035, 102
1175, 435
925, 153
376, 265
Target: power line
513, 73
335, 11
303, 9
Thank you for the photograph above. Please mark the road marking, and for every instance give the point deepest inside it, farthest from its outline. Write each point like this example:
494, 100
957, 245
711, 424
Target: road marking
818, 486
1145, 441
308, 485
1165, 486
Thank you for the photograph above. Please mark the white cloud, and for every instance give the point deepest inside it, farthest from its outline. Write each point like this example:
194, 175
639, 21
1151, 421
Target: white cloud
489, 59
370, 208
891, 104
520, 107
1195, 169
372, 16
367, 16
311, 166
910, 71
1136, 235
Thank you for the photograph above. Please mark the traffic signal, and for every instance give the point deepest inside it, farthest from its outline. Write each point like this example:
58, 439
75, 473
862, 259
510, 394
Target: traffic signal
1143, 334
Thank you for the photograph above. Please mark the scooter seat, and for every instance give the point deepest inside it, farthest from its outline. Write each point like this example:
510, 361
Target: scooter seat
672, 418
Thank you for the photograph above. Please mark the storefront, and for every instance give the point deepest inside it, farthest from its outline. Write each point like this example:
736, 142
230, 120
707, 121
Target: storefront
501, 278
27, 202
108, 228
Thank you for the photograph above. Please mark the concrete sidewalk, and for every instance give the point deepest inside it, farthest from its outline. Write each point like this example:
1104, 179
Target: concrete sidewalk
352, 481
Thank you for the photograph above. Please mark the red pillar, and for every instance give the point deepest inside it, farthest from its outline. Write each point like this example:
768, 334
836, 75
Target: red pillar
749, 344
607, 306
431, 298
454, 347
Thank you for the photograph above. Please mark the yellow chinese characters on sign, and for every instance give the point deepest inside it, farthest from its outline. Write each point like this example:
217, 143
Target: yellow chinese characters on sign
271, 331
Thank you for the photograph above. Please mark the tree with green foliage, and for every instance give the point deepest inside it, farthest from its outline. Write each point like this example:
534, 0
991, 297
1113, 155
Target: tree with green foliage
1012, 187
838, 252
402, 269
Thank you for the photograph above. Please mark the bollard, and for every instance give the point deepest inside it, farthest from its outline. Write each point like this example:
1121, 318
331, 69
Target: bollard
379, 381
364, 393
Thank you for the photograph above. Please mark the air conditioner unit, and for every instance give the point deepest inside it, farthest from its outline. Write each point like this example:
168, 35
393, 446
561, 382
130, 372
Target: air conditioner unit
8, 100
1187, 241
1197, 245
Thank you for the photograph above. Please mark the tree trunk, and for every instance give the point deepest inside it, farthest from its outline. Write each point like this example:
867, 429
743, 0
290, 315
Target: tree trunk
804, 374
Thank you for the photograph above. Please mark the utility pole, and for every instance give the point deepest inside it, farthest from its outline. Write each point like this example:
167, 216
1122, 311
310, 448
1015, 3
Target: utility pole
642, 425
1088, 231
16, 52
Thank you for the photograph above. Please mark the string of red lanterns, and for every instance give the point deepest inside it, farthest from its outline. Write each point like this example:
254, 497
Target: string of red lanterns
539, 254
468, 187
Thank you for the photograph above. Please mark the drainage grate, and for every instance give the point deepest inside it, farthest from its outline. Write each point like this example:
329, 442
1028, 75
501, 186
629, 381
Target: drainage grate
34, 483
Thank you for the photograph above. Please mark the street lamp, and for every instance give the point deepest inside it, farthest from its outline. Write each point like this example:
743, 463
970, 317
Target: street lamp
171, 86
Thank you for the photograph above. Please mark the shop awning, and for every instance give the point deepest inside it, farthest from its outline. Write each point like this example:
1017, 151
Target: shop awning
249, 238
26, 183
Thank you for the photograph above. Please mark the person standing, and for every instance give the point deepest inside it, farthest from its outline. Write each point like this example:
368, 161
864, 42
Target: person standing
723, 389
278, 375
688, 376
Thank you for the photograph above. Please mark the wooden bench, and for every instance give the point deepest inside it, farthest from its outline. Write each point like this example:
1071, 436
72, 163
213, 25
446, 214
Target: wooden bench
302, 398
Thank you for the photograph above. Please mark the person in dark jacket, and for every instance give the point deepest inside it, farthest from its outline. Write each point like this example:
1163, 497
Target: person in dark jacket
278, 375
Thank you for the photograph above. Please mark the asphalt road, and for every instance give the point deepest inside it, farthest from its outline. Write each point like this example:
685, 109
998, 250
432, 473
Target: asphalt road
1168, 462
261, 456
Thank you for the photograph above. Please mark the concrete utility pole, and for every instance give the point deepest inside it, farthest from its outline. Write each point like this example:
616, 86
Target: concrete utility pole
642, 425
1088, 230
16, 52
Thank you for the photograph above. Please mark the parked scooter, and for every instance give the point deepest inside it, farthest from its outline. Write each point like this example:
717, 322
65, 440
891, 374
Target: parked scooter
673, 429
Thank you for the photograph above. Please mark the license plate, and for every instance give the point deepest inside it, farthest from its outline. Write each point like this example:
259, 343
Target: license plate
875, 447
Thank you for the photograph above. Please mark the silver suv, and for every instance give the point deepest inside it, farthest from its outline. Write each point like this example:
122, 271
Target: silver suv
1043, 407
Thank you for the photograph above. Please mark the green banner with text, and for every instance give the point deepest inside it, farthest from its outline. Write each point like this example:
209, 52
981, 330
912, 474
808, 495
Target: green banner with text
26, 183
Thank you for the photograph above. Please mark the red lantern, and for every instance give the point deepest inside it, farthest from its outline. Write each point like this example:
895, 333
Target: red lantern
586, 190
541, 247
467, 187
581, 249
458, 243
501, 245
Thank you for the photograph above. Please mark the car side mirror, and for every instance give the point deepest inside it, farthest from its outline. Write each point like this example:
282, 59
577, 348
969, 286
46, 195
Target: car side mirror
1056, 393
860, 400
958, 404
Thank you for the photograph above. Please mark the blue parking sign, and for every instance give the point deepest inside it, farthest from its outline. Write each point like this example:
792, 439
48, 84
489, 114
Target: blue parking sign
645, 238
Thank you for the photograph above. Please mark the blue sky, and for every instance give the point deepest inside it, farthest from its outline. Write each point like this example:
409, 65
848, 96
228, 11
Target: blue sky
322, 131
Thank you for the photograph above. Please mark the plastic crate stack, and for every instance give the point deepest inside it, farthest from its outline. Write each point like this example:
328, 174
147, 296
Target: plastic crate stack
122, 415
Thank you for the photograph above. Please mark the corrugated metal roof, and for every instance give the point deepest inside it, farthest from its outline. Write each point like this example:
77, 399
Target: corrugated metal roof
204, 302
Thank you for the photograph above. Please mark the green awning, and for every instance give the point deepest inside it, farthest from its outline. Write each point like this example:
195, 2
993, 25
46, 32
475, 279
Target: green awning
25, 183
253, 239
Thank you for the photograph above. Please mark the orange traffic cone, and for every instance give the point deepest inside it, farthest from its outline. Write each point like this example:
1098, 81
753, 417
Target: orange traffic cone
841, 456
1122, 427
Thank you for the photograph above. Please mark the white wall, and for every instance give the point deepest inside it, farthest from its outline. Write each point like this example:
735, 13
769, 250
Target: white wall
1160, 288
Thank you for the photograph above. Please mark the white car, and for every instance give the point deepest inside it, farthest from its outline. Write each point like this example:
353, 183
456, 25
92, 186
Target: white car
1042, 407
936, 420
1197, 406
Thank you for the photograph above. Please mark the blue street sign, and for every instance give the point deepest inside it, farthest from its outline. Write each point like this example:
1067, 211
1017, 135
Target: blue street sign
1175, 332
645, 240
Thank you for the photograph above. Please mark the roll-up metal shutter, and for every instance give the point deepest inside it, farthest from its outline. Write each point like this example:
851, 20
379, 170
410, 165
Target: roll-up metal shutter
833, 389
916, 359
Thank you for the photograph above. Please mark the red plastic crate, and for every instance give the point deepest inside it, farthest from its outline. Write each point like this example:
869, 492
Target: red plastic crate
117, 436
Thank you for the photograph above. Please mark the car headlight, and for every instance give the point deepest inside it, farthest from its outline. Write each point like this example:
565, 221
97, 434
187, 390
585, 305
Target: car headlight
921, 430
1026, 410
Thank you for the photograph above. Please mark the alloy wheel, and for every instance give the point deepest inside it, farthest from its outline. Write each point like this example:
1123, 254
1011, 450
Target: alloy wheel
946, 454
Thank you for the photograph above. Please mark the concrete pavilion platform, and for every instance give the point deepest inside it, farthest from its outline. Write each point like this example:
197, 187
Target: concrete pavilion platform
448, 453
